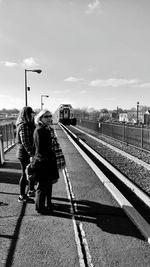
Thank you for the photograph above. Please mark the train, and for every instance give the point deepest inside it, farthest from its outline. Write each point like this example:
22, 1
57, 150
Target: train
65, 115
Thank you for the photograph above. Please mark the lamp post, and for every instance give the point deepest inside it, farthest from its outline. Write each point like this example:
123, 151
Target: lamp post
138, 112
26, 87
42, 100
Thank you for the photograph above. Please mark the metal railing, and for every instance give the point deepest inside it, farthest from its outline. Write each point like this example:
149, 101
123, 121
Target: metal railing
138, 136
7, 138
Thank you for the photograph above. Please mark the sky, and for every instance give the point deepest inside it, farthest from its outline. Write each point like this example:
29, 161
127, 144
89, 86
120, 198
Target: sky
92, 53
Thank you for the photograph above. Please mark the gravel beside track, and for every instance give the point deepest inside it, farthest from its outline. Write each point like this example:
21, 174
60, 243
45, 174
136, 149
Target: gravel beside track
135, 172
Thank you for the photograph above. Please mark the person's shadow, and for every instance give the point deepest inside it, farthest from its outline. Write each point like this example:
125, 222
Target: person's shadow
110, 219
10, 172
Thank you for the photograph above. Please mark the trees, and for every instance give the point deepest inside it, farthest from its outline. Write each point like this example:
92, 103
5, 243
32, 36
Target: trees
86, 113
6, 113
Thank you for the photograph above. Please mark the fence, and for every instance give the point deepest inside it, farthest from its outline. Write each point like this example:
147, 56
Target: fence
7, 138
138, 136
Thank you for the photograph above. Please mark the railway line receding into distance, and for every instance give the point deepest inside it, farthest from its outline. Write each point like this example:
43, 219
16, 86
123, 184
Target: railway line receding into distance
108, 163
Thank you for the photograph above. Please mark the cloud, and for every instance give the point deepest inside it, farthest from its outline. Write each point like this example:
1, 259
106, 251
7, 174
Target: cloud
73, 79
8, 64
29, 62
144, 85
113, 82
92, 7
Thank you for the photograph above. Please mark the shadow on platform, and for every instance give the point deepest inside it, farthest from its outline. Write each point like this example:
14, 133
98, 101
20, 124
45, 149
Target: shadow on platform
14, 237
110, 219
10, 172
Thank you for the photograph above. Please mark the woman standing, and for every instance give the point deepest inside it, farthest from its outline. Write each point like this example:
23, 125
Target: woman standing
47, 166
25, 150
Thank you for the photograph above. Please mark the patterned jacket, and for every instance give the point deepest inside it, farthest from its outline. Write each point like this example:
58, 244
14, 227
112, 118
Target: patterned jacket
25, 147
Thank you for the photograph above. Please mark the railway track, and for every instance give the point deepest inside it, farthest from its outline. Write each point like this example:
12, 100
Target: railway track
129, 161
135, 201
136, 151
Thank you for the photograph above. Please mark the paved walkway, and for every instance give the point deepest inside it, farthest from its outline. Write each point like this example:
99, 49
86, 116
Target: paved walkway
27, 238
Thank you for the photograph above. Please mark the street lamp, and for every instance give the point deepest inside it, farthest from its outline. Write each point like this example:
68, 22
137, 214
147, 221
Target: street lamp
42, 100
138, 112
26, 87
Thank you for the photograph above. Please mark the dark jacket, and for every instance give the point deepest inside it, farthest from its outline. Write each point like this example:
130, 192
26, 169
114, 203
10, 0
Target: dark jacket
44, 153
25, 147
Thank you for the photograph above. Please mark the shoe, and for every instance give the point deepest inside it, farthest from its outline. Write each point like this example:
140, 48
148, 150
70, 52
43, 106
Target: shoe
30, 200
50, 208
22, 199
45, 211
31, 193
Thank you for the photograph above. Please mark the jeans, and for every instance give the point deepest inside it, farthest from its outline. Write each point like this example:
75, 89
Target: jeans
23, 179
43, 195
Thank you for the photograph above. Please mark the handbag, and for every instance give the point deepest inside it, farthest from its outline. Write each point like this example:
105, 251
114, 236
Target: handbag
30, 173
32, 168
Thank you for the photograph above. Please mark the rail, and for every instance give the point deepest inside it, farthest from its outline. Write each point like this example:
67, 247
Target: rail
138, 136
7, 138
129, 196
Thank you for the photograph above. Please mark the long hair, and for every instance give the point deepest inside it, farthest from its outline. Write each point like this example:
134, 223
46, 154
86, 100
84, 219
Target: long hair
25, 116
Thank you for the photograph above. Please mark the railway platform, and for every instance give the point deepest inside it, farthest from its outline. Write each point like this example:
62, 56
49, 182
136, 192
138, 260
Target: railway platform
87, 227
27, 238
